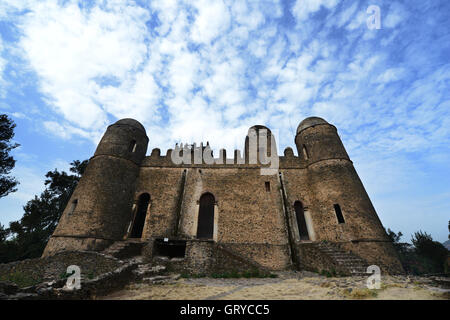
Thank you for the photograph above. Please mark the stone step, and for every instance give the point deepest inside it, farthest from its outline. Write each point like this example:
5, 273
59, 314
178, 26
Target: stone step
162, 279
347, 260
352, 266
145, 270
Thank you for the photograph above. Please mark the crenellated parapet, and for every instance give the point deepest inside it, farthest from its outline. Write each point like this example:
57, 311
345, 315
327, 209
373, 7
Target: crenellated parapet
186, 157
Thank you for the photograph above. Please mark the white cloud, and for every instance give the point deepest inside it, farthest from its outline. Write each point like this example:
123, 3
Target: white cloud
359, 21
206, 66
213, 19
392, 74
74, 50
2, 69
208, 70
347, 14
303, 8
396, 14
67, 131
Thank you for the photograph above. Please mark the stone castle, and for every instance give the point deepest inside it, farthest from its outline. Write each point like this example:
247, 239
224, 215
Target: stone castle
312, 214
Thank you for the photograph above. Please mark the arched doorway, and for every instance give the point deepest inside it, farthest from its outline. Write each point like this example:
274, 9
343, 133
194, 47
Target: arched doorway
205, 226
139, 219
301, 222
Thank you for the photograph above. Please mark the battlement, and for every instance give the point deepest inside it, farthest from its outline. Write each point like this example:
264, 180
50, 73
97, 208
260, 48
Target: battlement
191, 154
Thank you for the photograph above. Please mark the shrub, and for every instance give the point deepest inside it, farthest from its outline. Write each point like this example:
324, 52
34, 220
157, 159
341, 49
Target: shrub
21, 279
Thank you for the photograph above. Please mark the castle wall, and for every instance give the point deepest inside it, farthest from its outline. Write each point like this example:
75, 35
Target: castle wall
254, 213
164, 187
336, 182
248, 218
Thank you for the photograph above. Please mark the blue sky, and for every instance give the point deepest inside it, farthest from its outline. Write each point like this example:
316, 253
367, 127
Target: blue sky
208, 70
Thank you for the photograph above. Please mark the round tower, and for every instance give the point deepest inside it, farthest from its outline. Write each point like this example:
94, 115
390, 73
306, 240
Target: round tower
99, 211
342, 211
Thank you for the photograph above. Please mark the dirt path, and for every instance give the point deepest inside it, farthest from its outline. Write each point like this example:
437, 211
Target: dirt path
288, 285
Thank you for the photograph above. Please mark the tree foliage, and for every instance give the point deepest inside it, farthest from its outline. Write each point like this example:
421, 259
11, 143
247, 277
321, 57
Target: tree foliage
432, 250
401, 247
27, 237
424, 256
8, 184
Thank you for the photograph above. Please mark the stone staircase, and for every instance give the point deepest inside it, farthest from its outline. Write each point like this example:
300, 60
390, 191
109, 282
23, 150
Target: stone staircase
353, 264
125, 249
153, 273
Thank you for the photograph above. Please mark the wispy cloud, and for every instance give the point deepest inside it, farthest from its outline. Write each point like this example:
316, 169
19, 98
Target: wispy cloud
208, 70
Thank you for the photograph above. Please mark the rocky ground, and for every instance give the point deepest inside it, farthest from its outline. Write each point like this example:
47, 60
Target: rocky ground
287, 285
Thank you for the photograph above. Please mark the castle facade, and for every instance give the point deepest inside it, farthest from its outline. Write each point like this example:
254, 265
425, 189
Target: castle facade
311, 213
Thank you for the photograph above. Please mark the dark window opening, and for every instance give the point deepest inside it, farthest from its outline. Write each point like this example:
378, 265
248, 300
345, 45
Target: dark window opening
139, 219
170, 248
73, 206
305, 152
267, 186
205, 228
132, 147
340, 217
301, 221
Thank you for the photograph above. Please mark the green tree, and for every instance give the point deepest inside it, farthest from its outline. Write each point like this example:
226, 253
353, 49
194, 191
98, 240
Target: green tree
31, 233
3, 233
401, 247
8, 184
394, 237
429, 249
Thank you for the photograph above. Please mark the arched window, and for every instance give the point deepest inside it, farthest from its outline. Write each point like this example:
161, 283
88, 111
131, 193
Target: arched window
301, 222
139, 219
205, 227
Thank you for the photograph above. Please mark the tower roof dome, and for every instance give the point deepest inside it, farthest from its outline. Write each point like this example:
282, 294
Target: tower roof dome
259, 127
310, 122
131, 122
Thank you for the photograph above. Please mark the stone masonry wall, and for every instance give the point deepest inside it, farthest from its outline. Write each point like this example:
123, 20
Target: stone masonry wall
249, 219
